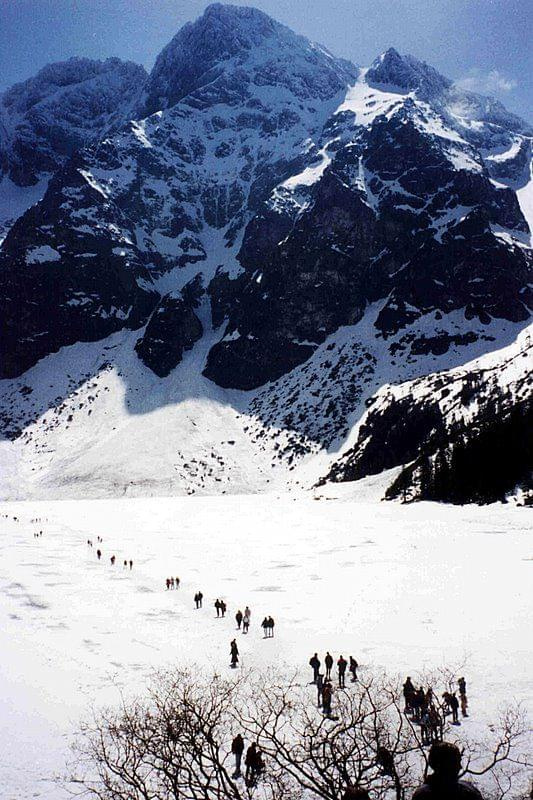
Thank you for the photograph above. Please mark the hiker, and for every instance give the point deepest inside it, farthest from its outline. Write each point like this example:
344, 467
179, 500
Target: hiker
341, 666
234, 651
253, 763
464, 705
355, 793
168, 585
125, 564
454, 705
131, 564
319, 689
271, 626
112, 561
445, 761
436, 726
408, 693
223, 608
172, 583
327, 694
264, 625
328, 661
245, 623
237, 748
248, 613
462, 695
314, 663
353, 668
200, 599
99, 554
196, 601
177, 582
217, 606
238, 619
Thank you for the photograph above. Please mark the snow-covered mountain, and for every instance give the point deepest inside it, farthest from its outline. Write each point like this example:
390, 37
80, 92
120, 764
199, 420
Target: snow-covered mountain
45, 119
273, 237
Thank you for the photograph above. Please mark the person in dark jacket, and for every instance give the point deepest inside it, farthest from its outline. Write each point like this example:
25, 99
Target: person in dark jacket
314, 663
217, 606
444, 784
319, 688
234, 651
454, 705
354, 793
238, 619
237, 748
327, 695
341, 665
328, 661
353, 668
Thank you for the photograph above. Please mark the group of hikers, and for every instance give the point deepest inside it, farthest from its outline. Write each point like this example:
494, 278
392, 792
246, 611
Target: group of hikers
172, 583
323, 681
424, 709
243, 619
253, 760
126, 562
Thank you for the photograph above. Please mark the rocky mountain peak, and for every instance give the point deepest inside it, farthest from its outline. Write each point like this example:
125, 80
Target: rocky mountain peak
407, 72
227, 38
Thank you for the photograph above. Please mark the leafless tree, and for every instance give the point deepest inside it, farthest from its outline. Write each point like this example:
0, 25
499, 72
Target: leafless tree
175, 744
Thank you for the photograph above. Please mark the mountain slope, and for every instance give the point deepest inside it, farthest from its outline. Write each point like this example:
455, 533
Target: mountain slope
275, 234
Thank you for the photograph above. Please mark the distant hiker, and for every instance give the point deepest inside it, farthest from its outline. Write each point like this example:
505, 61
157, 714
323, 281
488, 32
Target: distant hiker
177, 581
454, 705
172, 583
254, 764
328, 661
217, 606
112, 559
223, 608
353, 668
168, 586
341, 666
99, 554
239, 618
131, 564
196, 600
245, 623
408, 693
355, 793
125, 564
234, 652
445, 761
200, 599
319, 689
327, 694
264, 625
237, 748
314, 663
464, 705
270, 628
248, 613
436, 726
462, 694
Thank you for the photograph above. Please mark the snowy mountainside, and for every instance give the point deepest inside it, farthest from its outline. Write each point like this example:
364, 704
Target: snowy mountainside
271, 238
466, 434
48, 117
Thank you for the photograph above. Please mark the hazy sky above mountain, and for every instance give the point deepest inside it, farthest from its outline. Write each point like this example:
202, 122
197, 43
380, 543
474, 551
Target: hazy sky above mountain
484, 44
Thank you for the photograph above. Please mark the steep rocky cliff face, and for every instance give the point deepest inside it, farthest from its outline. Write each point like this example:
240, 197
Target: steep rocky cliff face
305, 230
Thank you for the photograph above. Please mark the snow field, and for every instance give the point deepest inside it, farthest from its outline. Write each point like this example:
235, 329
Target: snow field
405, 588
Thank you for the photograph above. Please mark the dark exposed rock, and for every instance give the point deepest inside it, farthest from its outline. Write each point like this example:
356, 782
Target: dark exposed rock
172, 329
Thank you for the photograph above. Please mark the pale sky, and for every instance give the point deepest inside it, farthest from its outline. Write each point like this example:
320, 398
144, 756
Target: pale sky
486, 44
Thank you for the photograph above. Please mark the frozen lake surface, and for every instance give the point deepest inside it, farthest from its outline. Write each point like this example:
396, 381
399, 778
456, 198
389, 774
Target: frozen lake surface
400, 587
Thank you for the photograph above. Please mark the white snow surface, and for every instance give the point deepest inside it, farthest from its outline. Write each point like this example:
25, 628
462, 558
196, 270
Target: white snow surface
401, 587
